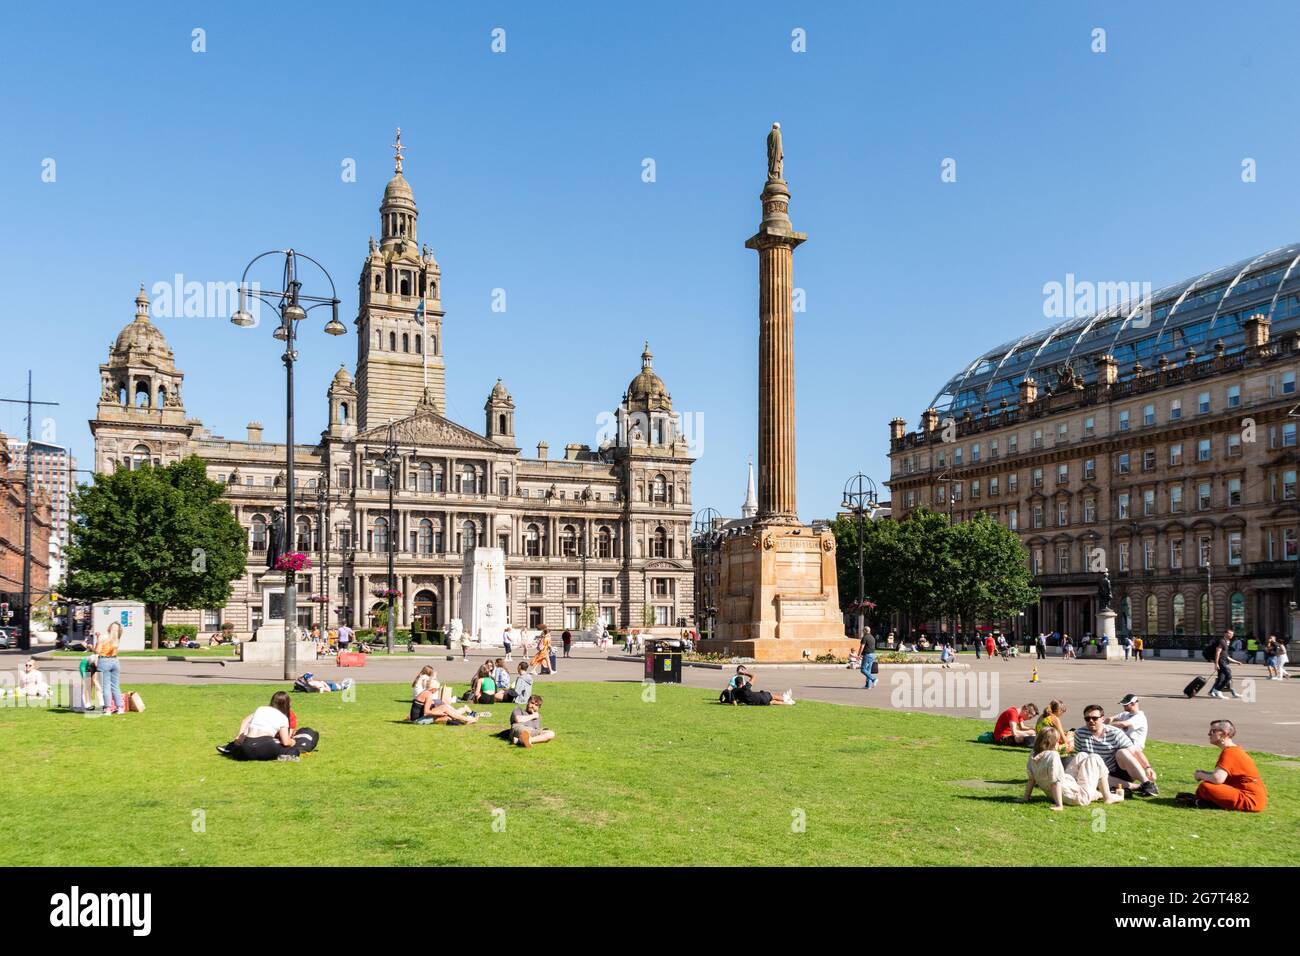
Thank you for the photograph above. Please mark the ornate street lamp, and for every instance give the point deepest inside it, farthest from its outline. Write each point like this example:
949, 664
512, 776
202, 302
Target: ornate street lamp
707, 535
288, 303
861, 499
388, 457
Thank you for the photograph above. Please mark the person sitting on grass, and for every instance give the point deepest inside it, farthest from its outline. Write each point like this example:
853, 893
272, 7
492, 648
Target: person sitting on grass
744, 693
523, 687
428, 707
1075, 783
484, 689
502, 677
1116, 749
526, 724
1012, 726
265, 734
1234, 783
33, 683
1134, 723
1051, 717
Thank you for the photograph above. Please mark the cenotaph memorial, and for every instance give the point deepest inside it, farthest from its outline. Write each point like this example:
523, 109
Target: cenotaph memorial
483, 594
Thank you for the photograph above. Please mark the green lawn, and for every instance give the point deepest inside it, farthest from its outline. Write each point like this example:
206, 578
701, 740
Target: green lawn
681, 779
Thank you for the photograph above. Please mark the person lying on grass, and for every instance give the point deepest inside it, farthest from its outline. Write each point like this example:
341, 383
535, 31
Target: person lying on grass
1076, 782
526, 724
1234, 783
265, 734
744, 693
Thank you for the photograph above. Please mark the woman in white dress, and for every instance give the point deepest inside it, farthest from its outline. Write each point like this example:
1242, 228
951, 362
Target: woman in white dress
1074, 783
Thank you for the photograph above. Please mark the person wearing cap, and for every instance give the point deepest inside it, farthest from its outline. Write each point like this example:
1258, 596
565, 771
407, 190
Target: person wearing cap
1134, 723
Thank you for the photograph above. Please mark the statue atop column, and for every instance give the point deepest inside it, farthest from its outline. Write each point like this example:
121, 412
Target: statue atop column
775, 157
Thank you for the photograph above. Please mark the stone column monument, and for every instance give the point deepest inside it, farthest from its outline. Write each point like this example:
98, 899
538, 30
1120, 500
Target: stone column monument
779, 589
483, 594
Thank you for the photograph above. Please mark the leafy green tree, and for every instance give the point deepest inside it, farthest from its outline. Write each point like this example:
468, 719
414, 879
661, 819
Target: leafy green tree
161, 536
992, 577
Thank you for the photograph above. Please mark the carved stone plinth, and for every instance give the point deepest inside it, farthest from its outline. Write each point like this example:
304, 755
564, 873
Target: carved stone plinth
779, 596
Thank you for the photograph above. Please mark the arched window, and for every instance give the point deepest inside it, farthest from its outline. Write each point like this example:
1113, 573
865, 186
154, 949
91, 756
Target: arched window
659, 547
379, 282
469, 536
1126, 614
406, 342
121, 395
501, 424
433, 345
406, 284
1237, 611
392, 341
142, 394
424, 477
533, 541
1153, 616
425, 540
259, 533
379, 339
379, 537
302, 540
417, 345
604, 544
162, 396
659, 489
139, 457
469, 482
343, 413
1180, 623
1205, 612
568, 541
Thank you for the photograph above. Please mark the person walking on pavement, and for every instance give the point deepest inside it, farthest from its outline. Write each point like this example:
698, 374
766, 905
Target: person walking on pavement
1223, 667
1041, 644
867, 652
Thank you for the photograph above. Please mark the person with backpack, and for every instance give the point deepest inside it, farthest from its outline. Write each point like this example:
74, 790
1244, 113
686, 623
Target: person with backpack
1218, 654
265, 734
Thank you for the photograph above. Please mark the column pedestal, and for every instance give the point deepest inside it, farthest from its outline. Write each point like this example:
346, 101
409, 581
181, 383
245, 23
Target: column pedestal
1110, 650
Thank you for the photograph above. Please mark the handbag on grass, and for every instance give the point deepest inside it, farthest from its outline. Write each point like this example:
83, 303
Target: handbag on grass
134, 702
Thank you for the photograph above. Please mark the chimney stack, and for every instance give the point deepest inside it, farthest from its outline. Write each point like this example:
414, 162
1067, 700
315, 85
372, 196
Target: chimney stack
1028, 392
897, 428
930, 420
1257, 329
1107, 370
255, 431
542, 448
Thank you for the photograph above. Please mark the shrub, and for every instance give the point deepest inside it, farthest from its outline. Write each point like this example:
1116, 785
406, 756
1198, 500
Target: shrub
437, 636
366, 634
180, 632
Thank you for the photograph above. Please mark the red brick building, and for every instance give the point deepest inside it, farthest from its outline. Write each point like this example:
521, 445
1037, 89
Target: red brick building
11, 534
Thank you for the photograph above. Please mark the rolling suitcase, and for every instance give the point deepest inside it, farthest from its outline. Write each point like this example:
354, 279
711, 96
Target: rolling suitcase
1194, 688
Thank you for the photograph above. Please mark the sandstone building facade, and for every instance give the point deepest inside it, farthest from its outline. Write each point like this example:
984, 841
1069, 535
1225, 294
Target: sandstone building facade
607, 527
1154, 440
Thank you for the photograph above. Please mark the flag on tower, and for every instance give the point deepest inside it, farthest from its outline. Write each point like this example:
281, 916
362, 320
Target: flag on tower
419, 312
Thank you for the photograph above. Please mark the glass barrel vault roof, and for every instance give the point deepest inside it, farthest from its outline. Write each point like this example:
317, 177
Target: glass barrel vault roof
1195, 313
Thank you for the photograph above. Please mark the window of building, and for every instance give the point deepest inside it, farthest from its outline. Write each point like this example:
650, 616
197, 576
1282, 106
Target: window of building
1288, 383
1234, 444
1062, 474
1148, 555
1149, 459
535, 587
1176, 453
974, 489
1013, 520
259, 533
1203, 496
1175, 499
1123, 420
571, 616
1036, 479
607, 587
1122, 505
1037, 561
1089, 468
1148, 502
568, 541
1123, 556
1153, 616
1203, 403
1203, 449
975, 452
1175, 409
1089, 426
956, 456
1012, 442
503, 487
1234, 548
533, 541
1062, 433
1089, 510
1180, 608
1288, 435
1012, 481
535, 618
659, 544
993, 486
1204, 551
1234, 492
1234, 396
1288, 485
1062, 514
1062, 559
571, 587
1036, 516
212, 620
993, 448
1176, 554
1148, 415
1038, 438
1122, 463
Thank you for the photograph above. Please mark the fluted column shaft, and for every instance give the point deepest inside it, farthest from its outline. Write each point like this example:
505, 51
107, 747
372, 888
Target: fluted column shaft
776, 462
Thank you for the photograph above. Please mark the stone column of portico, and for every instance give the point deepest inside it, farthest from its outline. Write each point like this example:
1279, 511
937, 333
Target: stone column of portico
775, 242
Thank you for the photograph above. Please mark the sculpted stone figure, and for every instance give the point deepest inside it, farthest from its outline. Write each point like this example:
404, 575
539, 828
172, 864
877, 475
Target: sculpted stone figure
1105, 594
275, 543
774, 154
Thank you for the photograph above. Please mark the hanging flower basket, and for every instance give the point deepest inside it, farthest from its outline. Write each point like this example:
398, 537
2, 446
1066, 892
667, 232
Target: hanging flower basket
293, 561
386, 592
864, 605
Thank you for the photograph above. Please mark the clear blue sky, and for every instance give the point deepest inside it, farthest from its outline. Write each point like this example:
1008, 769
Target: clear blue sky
1124, 165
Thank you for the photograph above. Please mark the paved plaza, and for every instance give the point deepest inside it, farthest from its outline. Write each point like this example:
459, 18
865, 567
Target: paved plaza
1268, 722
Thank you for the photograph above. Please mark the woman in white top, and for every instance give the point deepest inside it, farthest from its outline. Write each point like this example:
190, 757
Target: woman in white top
265, 733
33, 681
1076, 783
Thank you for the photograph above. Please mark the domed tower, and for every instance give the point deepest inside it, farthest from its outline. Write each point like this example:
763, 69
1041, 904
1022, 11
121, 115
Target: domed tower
399, 324
140, 416
646, 415
343, 406
500, 409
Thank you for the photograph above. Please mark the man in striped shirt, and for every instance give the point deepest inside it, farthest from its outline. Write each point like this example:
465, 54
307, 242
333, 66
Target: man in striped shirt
1115, 748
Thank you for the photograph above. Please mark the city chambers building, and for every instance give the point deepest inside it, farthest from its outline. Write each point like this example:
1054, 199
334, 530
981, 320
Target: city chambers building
1156, 440
608, 528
